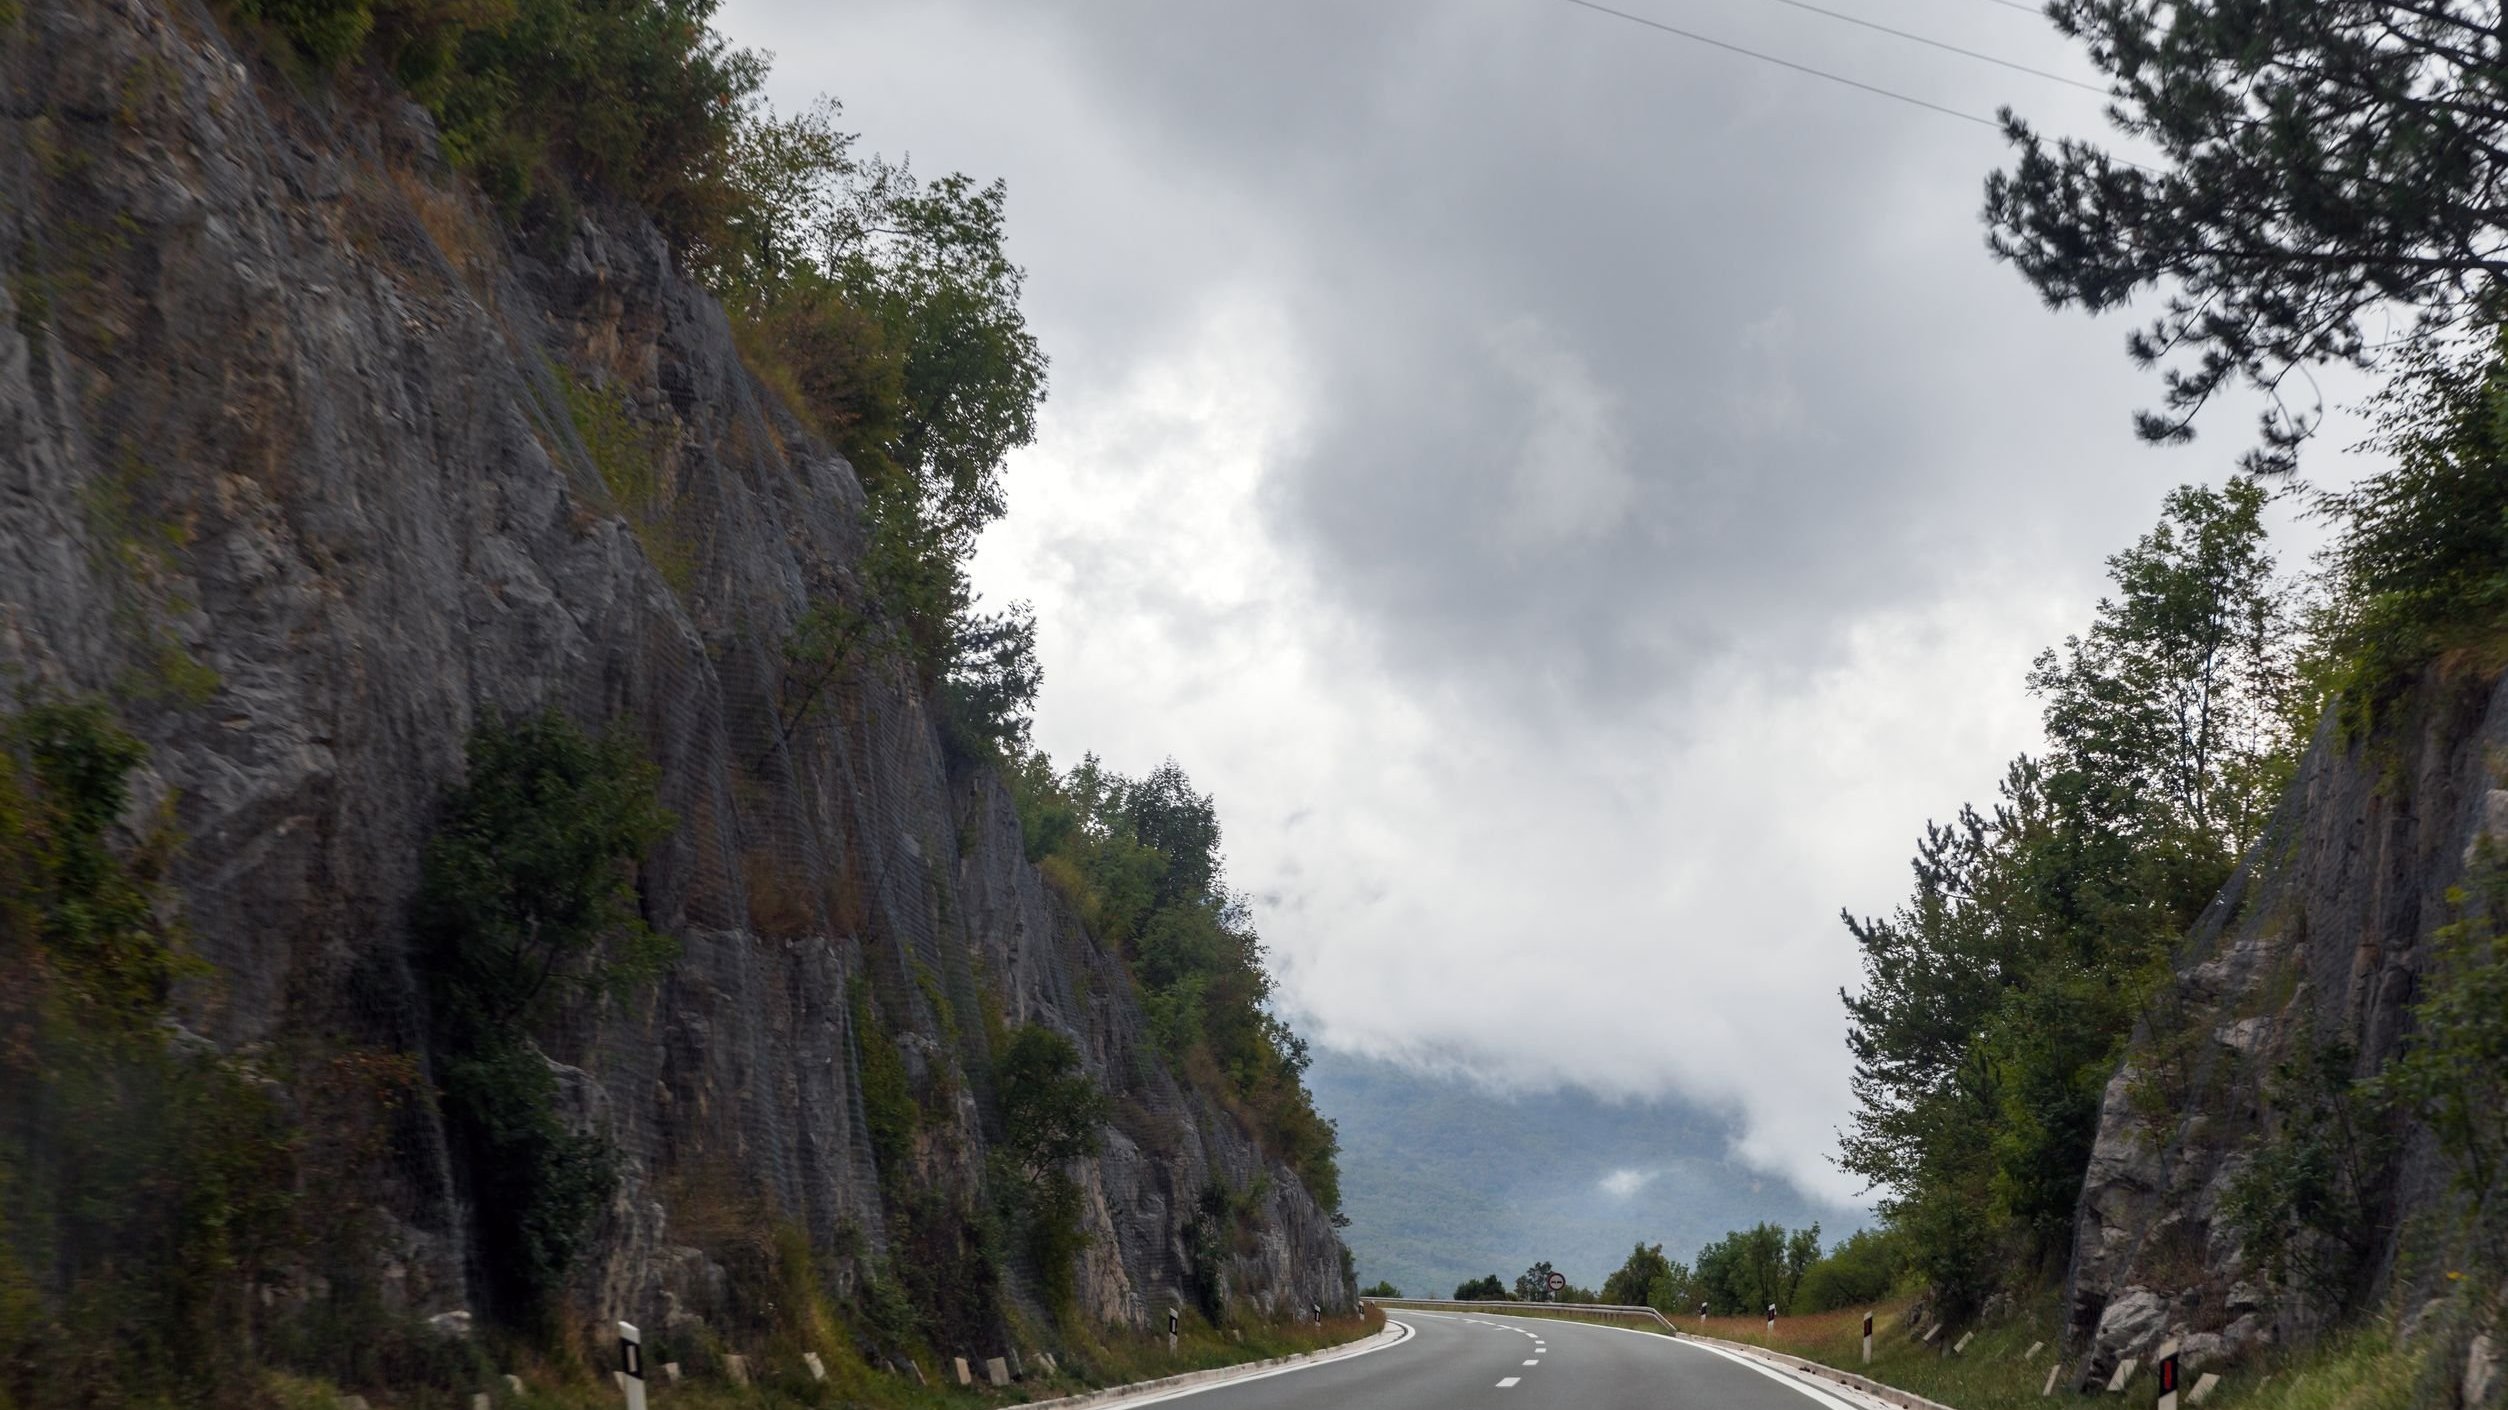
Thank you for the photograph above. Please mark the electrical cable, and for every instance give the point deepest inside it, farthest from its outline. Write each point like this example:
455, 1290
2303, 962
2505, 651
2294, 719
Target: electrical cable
1946, 48
1786, 64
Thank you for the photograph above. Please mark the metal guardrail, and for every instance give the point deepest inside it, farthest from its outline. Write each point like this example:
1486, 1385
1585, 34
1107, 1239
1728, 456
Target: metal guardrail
1532, 1309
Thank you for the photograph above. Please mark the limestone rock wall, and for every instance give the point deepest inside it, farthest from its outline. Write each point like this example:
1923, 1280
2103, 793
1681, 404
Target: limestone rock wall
2321, 937
294, 465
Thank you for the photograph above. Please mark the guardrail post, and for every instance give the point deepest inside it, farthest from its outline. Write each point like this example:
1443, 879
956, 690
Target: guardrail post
631, 1364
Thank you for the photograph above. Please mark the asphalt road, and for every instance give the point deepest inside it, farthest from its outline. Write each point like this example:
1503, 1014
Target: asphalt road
1457, 1362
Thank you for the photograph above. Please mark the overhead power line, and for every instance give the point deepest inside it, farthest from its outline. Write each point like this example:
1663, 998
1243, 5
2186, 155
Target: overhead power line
1945, 48
1892, 94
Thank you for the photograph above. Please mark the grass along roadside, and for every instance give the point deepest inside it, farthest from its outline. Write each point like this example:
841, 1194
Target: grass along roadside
1091, 1359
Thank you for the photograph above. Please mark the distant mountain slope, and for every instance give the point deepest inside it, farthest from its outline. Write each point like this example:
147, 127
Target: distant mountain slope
1444, 1180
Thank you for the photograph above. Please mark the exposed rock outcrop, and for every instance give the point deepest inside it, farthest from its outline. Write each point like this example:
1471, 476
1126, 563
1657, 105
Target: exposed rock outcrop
310, 465
2321, 939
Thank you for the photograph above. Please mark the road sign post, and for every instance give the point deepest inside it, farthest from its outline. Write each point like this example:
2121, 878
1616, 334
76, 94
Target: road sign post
631, 1364
1867, 1338
1558, 1281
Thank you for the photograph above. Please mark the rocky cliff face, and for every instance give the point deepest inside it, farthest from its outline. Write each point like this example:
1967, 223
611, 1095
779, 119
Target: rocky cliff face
309, 464
2319, 943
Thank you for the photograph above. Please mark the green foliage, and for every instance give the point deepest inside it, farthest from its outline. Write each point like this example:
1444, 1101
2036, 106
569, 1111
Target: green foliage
528, 896
1864, 1268
1996, 999
88, 902
2303, 1207
2454, 1076
526, 902
2297, 167
1633, 1282
888, 1105
534, 1184
992, 682
889, 309
1748, 1270
1485, 1288
149, 1180
2169, 710
2420, 560
1140, 859
1051, 1113
1380, 1288
1051, 1116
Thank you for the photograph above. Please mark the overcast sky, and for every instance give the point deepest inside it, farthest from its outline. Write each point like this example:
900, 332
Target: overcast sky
1579, 498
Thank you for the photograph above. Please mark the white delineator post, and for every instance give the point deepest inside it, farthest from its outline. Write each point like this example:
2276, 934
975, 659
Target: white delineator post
1171, 1331
631, 1364
2168, 1382
1702, 1316
1772, 1319
1867, 1338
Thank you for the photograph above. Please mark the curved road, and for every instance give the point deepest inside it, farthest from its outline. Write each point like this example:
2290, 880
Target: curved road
1455, 1361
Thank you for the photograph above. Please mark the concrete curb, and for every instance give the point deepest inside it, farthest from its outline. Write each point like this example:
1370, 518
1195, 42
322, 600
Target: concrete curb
1394, 1334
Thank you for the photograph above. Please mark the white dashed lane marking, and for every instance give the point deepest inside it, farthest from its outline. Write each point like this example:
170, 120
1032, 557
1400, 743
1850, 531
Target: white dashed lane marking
1534, 1362
1511, 1380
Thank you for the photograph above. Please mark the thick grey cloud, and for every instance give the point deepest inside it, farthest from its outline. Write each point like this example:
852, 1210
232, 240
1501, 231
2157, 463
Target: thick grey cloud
1581, 499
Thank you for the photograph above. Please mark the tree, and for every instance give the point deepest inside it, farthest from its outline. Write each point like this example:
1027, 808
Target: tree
527, 898
2420, 558
1051, 1113
2176, 694
1485, 1288
1635, 1280
527, 893
1745, 1271
2316, 161
1384, 1288
990, 688
1996, 999
1051, 1116
1533, 1284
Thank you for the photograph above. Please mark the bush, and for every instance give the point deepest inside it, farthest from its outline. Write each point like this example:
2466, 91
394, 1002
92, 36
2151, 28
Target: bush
1381, 1288
527, 902
148, 1183
2420, 558
1485, 1288
1861, 1270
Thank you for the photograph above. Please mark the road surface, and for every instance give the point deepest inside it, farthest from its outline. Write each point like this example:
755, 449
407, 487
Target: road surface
1470, 1361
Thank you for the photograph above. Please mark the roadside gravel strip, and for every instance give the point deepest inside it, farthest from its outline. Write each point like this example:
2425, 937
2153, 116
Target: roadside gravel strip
1195, 1382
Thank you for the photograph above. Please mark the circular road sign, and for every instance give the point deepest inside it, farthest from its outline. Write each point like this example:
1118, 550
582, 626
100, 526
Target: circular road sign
1558, 1281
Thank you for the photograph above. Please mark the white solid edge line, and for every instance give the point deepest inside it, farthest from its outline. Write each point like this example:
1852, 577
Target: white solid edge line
1816, 1393
1180, 1392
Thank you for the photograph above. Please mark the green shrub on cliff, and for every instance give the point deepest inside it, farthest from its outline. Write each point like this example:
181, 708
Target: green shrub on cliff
527, 901
2420, 558
148, 1182
1051, 1116
1140, 860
